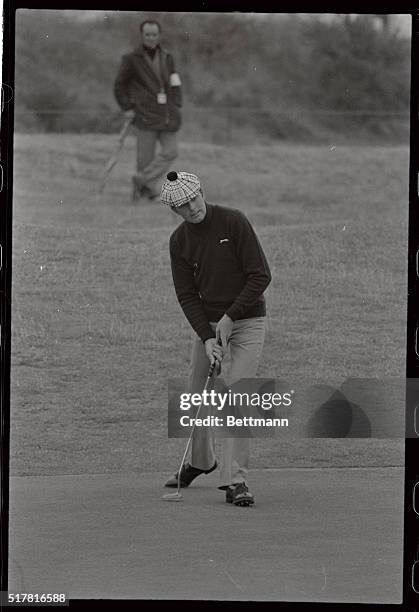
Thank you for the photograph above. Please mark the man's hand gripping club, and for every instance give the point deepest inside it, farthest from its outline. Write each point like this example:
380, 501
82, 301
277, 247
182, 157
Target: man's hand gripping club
223, 331
215, 347
214, 353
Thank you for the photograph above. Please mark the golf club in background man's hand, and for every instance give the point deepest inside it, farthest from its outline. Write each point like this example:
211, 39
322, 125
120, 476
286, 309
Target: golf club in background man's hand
220, 273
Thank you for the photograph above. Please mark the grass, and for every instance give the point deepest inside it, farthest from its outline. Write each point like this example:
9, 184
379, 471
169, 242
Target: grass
96, 327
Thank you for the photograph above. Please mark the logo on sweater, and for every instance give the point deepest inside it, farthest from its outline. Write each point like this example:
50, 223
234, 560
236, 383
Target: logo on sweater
223, 240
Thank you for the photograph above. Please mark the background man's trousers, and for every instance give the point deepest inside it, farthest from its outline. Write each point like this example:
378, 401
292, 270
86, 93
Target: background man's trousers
245, 346
151, 167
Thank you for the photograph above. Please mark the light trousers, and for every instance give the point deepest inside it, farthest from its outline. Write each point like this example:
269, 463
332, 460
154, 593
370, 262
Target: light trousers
152, 167
244, 348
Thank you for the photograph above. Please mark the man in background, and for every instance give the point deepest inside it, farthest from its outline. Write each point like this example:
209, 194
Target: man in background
148, 90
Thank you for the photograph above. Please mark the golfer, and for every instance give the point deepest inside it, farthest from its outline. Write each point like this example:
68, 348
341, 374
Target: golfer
220, 273
148, 89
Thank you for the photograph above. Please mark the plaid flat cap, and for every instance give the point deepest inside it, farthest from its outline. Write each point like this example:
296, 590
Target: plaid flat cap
179, 188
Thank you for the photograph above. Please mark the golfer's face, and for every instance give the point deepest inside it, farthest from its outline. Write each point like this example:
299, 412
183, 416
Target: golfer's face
194, 211
151, 35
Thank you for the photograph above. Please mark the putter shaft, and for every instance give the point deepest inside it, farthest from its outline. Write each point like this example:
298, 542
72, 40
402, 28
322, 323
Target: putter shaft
209, 376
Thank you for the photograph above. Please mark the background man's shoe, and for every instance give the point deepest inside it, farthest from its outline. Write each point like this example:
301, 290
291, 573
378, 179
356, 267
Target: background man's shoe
187, 475
152, 196
139, 189
149, 193
239, 495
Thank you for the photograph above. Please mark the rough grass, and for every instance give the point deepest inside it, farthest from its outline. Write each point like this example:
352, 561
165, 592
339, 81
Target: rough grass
96, 327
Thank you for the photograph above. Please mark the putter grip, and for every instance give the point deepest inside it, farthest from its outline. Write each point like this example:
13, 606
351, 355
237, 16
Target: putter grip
214, 365
211, 369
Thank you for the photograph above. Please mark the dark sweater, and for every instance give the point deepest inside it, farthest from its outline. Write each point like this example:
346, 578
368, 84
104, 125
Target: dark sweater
218, 268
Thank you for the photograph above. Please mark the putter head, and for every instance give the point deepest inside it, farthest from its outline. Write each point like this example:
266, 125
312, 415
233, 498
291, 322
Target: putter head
173, 497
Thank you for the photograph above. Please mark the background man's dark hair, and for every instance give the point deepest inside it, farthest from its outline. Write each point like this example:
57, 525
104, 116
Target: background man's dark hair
150, 22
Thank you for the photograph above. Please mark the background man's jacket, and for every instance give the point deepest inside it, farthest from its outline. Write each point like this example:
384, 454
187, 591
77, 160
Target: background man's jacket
136, 87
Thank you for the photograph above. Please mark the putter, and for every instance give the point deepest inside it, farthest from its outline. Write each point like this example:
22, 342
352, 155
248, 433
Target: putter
178, 495
114, 157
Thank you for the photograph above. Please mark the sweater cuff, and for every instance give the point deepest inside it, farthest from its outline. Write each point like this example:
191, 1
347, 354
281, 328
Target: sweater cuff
207, 335
233, 312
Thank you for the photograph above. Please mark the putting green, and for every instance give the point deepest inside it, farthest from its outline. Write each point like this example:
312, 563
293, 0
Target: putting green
313, 534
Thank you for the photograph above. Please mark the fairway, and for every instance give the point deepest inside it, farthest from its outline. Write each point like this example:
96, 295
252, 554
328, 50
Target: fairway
96, 327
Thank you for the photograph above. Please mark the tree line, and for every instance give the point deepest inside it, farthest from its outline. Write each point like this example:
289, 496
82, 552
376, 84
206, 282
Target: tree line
283, 72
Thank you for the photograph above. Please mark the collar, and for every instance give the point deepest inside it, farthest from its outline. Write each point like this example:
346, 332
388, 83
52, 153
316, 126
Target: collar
141, 50
151, 52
